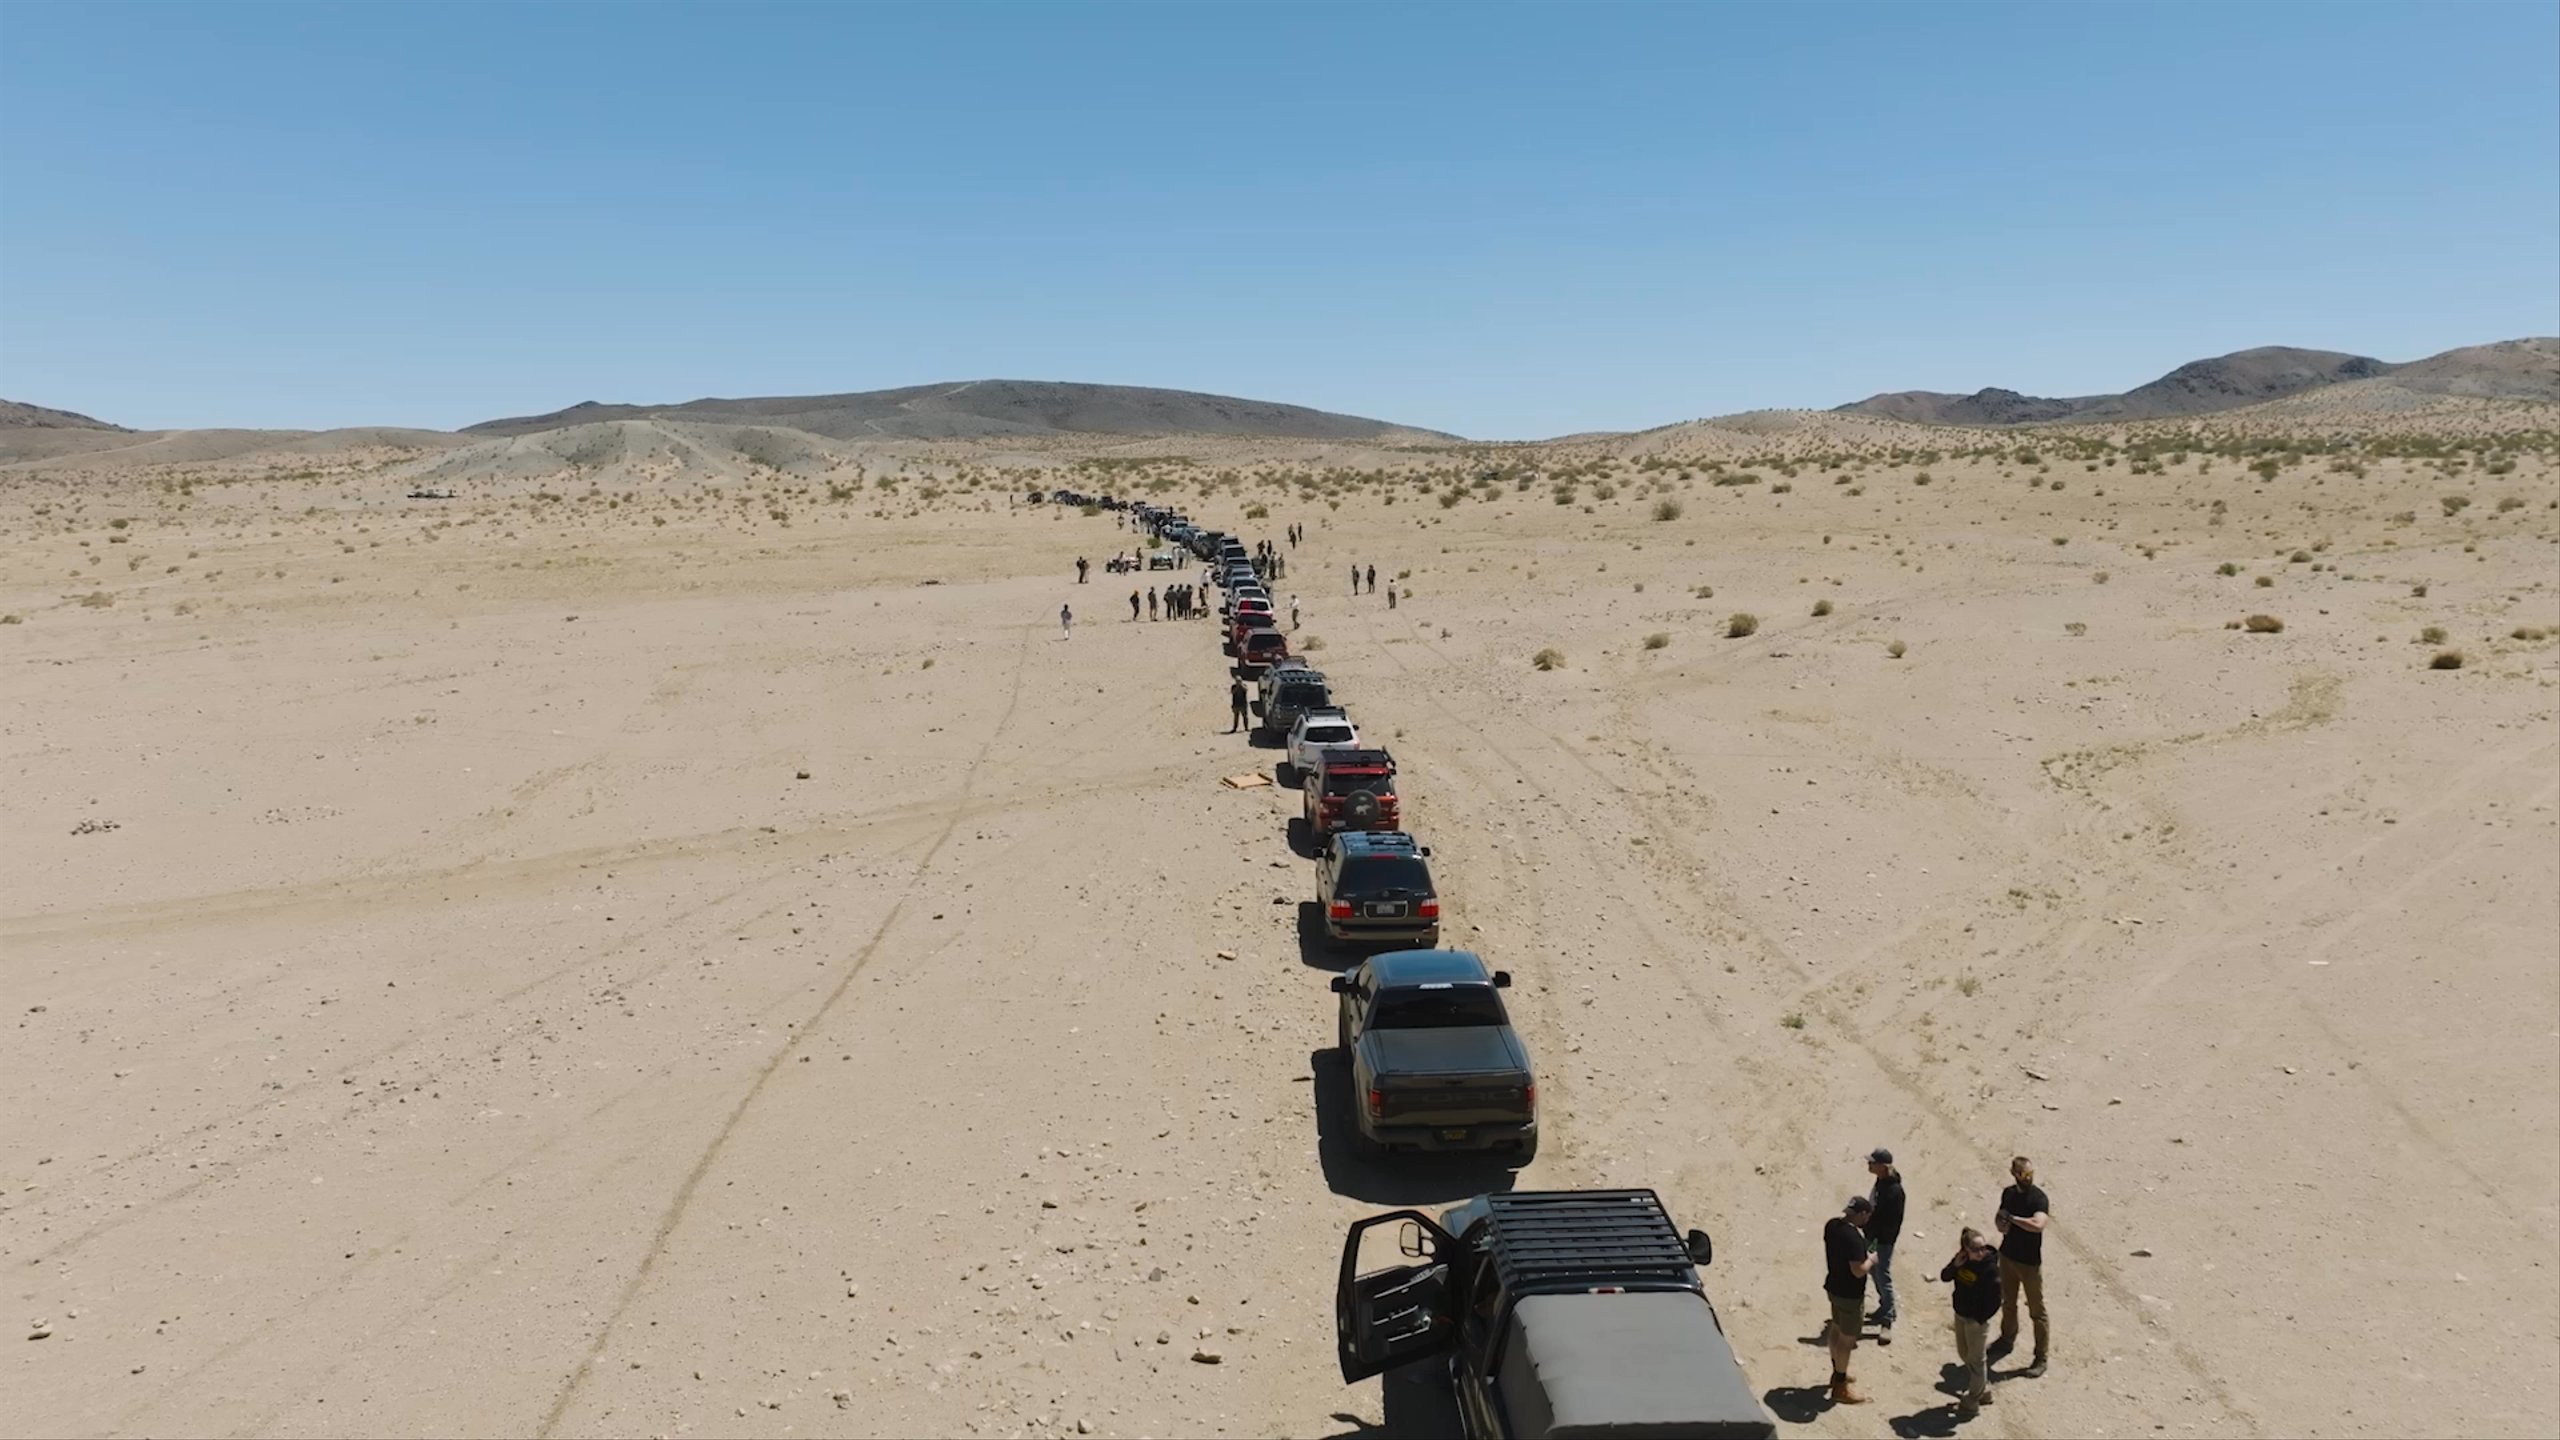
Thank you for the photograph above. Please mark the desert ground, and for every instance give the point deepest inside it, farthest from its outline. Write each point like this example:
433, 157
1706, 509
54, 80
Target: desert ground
670, 940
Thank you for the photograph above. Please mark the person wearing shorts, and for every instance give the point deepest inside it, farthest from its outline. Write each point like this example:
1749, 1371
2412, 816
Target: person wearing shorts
1846, 1260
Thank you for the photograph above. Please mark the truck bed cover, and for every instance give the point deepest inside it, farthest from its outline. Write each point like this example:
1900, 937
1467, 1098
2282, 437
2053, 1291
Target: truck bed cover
1638, 1366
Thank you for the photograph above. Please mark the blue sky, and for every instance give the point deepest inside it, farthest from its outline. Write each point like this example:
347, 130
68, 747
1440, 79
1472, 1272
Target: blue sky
1506, 221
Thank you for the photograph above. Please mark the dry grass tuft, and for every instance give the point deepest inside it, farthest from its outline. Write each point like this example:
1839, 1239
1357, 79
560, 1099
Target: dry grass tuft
1657, 640
1821, 607
1897, 649
2263, 625
2446, 660
1550, 658
1666, 509
1739, 624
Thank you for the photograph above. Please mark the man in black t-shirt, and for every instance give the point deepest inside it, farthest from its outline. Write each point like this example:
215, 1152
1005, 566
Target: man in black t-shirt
1884, 1229
1235, 706
1846, 1259
1976, 1273
2024, 1214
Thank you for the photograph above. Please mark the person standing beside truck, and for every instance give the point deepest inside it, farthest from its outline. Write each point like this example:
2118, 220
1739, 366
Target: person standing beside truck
1235, 706
2024, 1214
1846, 1260
1884, 1229
1976, 1272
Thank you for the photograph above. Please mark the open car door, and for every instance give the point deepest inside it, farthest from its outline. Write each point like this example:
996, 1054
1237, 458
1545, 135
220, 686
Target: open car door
1395, 1314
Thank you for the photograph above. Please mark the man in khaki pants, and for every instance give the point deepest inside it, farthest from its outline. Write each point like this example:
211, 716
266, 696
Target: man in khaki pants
2022, 1220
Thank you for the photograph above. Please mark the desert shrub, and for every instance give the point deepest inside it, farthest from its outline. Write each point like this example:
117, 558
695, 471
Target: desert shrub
2432, 635
2446, 660
1793, 1019
2226, 568
2263, 625
2075, 627
2510, 502
1702, 592
2521, 632
2265, 582
2455, 505
2418, 591
97, 600
1257, 512
1657, 640
1739, 624
1666, 509
1450, 497
1897, 649
1821, 607
1548, 659
1314, 643
2102, 577
2299, 557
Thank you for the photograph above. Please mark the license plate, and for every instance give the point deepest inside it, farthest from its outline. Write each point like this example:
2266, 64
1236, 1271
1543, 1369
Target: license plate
1458, 1134
1386, 910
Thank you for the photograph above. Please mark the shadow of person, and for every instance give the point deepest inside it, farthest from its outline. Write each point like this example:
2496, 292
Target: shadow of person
1937, 1420
1798, 1404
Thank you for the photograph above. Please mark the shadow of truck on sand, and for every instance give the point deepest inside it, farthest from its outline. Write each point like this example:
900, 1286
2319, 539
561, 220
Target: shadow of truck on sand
1421, 1181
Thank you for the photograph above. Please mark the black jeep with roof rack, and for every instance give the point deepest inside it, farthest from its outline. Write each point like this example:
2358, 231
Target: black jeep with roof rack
1573, 1313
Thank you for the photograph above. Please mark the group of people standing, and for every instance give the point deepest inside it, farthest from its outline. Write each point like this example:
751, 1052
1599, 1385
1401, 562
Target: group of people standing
1175, 602
1988, 1279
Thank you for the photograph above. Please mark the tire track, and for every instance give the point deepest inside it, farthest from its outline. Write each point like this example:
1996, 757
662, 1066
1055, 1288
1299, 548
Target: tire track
682, 1201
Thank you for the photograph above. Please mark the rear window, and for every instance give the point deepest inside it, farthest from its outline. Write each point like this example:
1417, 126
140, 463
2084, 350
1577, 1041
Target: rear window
1304, 696
1328, 734
1338, 784
1378, 874
1265, 640
1459, 1005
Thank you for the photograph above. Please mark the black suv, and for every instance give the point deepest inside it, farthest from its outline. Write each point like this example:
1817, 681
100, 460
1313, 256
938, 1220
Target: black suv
1375, 886
1289, 690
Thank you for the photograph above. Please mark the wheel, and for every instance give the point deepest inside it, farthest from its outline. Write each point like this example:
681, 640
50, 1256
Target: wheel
1528, 1151
1288, 776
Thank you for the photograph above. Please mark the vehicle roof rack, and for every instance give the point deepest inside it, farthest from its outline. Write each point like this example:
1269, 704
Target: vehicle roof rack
1574, 1239
1354, 759
1376, 840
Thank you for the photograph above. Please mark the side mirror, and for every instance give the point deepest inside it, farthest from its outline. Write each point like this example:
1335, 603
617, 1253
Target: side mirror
1501, 979
1409, 1240
1341, 985
1702, 1250
1426, 852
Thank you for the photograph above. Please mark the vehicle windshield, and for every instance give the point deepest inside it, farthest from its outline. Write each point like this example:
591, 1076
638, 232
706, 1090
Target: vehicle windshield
1380, 874
1459, 1005
1328, 735
1348, 784
1304, 697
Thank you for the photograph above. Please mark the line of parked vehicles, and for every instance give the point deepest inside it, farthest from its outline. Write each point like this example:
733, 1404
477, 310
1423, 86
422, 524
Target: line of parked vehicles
1575, 1313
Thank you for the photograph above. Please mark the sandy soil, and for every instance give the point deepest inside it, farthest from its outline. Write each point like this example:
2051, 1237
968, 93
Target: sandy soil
477, 968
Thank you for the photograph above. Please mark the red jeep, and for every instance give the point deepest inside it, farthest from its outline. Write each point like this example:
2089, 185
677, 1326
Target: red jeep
1350, 790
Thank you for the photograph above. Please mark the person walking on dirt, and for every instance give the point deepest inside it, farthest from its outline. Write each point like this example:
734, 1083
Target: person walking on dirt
1066, 622
1883, 1230
1151, 603
1293, 612
1133, 604
1373, 579
1355, 579
1976, 1272
1391, 594
1846, 1261
1235, 706
2024, 1215
1082, 565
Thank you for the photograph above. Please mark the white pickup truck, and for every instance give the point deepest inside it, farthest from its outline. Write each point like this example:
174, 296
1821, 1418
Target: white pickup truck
1328, 728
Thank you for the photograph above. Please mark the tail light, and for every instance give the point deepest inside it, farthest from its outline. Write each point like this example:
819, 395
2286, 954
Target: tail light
1377, 1102
1338, 910
1528, 1096
1428, 909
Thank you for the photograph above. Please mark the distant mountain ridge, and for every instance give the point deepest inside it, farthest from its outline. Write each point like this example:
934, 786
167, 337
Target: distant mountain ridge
16, 415
2526, 369
988, 409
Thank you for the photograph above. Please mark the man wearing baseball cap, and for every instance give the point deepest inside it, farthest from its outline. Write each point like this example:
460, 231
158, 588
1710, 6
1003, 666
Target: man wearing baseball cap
1884, 1227
1847, 1260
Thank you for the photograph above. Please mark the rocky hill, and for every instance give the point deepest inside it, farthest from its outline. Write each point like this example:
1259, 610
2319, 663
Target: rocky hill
988, 409
2514, 369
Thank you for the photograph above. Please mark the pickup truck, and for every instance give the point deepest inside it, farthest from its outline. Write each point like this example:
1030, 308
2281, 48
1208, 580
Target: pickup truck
1564, 1315
1316, 731
1434, 1062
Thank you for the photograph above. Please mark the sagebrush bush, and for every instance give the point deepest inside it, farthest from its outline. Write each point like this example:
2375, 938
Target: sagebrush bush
1666, 509
1548, 659
1821, 607
1657, 640
2446, 660
1740, 624
2263, 625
